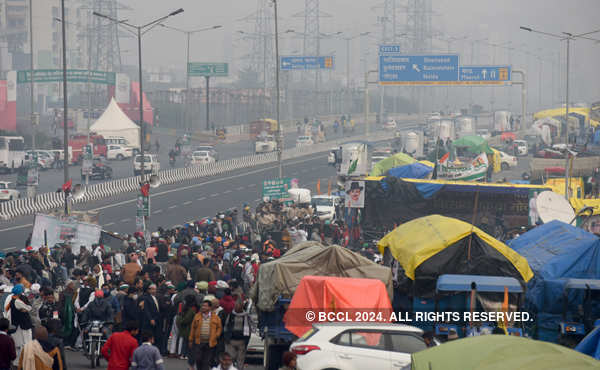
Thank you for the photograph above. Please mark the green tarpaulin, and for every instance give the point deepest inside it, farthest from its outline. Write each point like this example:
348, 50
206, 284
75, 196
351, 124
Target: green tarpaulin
397, 160
500, 352
474, 144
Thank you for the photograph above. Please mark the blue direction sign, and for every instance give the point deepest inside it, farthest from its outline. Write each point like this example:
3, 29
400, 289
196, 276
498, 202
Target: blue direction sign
398, 69
306, 63
485, 75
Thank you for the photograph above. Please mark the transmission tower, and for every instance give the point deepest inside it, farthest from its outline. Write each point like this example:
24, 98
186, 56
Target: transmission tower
103, 35
261, 57
388, 22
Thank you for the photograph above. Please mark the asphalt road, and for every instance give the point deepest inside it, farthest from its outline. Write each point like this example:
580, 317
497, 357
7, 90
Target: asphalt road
178, 203
52, 179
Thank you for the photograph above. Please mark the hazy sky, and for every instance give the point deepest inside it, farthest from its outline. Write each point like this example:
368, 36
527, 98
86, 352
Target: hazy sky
499, 21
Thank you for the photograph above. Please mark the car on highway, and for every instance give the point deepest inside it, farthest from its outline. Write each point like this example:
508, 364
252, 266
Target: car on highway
151, 164
100, 170
209, 148
8, 191
390, 124
521, 147
304, 141
265, 144
201, 157
549, 153
484, 133
507, 161
118, 152
346, 345
44, 160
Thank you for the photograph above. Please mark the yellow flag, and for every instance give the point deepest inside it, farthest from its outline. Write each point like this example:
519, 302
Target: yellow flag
501, 323
319, 186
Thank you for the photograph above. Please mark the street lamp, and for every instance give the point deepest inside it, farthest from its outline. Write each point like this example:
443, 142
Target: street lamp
187, 73
144, 186
568, 37
279, 138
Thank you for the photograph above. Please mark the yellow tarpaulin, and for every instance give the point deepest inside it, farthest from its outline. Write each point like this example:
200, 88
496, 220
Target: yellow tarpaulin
496, 161
418, 240
397, 160
579, 204
556, 112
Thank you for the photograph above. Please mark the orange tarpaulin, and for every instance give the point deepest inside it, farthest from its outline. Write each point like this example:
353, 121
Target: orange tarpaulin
334, 299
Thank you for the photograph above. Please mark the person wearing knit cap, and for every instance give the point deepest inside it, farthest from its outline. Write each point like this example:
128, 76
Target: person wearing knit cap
36, 303
20, 318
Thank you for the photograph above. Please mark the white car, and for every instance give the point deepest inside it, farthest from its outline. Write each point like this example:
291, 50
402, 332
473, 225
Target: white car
151, 164
304, 141
265, 144
484, 133
521, 147
357, 346
390, 124
8, 191
119, 152
507, 161
200, 157
324, 206
44, 158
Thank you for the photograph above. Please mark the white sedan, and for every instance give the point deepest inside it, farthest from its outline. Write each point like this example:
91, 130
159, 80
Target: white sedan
200, 157
507, 161
119, 152
304, 141
8, 191
357, 346
390, 124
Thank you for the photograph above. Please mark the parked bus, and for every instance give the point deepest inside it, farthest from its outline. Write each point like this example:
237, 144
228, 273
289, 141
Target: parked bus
12, 153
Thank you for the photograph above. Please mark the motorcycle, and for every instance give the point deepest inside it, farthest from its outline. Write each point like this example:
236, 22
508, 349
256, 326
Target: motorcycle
95, 340
172, 161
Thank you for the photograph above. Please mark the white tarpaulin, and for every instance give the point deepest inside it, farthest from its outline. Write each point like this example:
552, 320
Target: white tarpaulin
113, 122
64, 229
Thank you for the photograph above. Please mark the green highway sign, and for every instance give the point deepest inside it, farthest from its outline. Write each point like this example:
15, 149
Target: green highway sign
277, 189
73, 75
208, 69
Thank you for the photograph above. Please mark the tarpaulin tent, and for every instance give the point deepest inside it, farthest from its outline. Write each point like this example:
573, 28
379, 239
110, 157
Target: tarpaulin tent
499, 352
114, 122
411, 171
334, 294
396, 160
282, 276
474, 144
557, 251
590, 345
435, 245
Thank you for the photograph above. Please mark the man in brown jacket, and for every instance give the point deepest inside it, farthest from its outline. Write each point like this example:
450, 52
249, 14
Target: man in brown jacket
204, 334
131, 269
175, 272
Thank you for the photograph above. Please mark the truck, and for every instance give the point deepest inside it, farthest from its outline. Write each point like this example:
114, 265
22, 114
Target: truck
78, 142
12, 153
278, 280
502, 121
262, 127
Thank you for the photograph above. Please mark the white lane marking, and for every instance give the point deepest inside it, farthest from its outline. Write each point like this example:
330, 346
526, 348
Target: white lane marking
227, 191
253, 185
214, 195
125, 220
11, 248
202, 198
171, 207
157, 211
294, 173
187, 203
240, 188
184, 188
109, 224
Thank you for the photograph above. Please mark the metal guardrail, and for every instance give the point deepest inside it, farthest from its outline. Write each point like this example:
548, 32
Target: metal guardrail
49, 201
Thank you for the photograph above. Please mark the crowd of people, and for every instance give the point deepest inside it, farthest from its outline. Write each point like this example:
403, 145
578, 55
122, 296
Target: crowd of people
182, 294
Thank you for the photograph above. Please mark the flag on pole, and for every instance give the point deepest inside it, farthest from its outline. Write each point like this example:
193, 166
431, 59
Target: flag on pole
329, 187
67, 186
319, 186
501, 323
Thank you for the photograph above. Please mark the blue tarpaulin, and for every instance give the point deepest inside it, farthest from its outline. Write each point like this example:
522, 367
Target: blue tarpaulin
590, 345
411, 171
556, 252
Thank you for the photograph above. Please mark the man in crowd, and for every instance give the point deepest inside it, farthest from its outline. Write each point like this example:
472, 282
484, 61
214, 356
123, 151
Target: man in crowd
119, 347
204, 333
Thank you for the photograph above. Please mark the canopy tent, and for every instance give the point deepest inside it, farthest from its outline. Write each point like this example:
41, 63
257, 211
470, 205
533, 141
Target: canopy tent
335, 294
113, 122
498, 352
411, 171
474, 144
396, 160
560, 112
557, 251
434, 245
282, 276
590, 345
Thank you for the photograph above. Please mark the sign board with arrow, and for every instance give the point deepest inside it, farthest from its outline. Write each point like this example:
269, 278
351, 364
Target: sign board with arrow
208, 69
301, 63
399, 69
484, 75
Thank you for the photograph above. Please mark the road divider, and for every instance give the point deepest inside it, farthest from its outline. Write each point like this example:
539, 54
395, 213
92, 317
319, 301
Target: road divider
55, 200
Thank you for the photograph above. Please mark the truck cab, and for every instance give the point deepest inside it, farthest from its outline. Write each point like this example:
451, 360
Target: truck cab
325, 206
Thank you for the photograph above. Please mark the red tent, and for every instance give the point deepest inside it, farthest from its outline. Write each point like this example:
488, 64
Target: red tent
335, 299
508, 136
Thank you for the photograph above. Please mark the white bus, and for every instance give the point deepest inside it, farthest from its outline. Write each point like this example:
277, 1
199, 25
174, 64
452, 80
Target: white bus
12, 153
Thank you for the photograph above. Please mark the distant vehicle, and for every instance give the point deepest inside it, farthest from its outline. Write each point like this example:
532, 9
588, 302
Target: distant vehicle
347, 345
200, 157
502, 121
265, 144
434, 116
209, 148
521, 146
324, 206
549, 153
484, 133
151, 164
100, 170
533, 142
78, 142
118, 152
8, 191
333, 156
12, 153
507, 161
45, 159
304, 141
120, 140
390, 124
262, 127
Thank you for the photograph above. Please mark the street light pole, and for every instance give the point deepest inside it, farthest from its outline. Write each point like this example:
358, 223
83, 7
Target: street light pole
31, 188
65, 106
279, 138
141, 92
